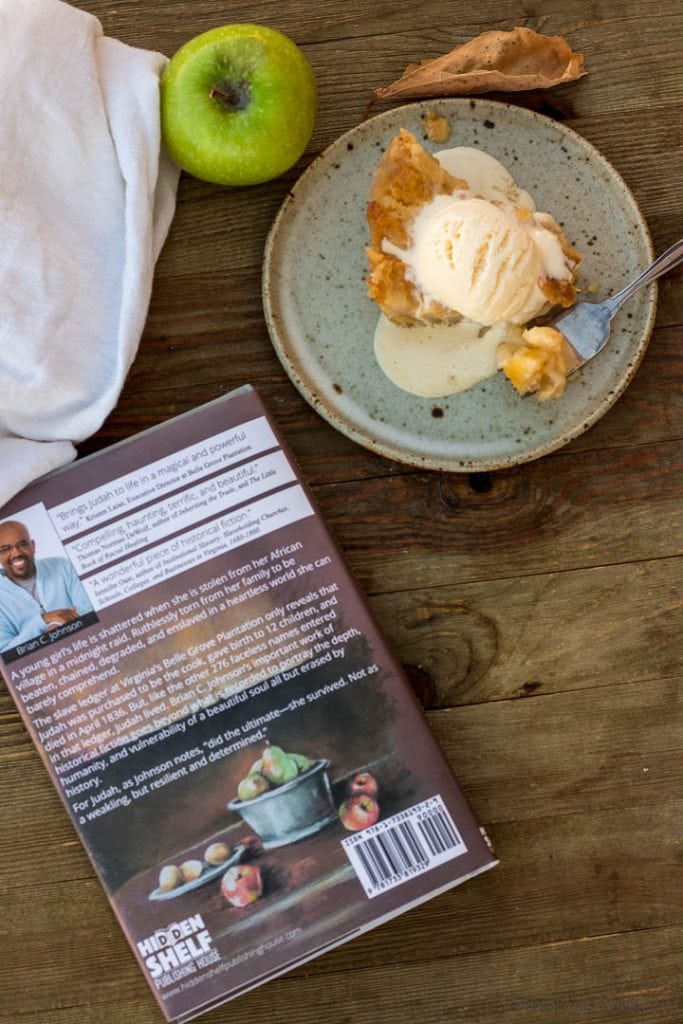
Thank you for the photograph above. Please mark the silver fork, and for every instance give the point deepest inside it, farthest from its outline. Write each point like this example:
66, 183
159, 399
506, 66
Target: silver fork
586, 327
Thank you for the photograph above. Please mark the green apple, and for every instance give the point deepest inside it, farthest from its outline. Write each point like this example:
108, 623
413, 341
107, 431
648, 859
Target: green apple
238, 105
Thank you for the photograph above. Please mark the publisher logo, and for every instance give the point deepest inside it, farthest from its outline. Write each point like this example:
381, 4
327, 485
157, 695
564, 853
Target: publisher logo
178, 950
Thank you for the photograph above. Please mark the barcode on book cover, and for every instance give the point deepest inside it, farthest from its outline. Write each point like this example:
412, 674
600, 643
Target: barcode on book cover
403, 846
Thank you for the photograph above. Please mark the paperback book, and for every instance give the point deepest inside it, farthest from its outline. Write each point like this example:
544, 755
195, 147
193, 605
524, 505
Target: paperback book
237, 748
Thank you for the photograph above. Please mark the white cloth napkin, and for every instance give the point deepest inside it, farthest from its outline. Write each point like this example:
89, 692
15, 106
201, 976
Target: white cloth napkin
86, 200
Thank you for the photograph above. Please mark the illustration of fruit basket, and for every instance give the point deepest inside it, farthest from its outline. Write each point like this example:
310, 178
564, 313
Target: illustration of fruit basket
293, 810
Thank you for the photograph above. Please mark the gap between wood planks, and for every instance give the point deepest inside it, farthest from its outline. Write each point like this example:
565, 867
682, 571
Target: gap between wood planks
450, 584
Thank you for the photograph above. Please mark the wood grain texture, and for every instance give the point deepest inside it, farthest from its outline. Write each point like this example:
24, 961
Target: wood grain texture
537, 611
514, 637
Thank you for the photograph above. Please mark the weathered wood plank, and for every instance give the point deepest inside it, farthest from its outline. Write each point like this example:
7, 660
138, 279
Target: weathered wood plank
508, 638
559, 982
607, 748
595, 508
562, 983
357, 46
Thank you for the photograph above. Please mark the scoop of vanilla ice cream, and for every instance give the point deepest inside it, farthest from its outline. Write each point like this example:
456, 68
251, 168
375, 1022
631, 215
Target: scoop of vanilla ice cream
484, 259
483, 252
478, 259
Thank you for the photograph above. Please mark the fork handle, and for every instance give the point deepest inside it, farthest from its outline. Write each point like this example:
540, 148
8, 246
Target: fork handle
667, 261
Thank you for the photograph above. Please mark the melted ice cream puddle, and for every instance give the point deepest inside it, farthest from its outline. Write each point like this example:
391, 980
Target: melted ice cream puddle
484, 174
441, 359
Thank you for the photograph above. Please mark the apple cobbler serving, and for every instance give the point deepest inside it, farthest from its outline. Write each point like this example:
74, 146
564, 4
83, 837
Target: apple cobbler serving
457, 246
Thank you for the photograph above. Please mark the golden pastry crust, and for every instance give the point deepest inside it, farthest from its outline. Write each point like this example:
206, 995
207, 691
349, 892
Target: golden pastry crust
560, 293
406, 179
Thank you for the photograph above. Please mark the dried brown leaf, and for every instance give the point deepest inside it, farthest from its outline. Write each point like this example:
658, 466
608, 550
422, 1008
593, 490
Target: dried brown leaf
492, 62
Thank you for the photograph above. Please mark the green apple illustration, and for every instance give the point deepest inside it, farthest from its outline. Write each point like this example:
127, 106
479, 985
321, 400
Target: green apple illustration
302, 762
252, 786
278, 767
238, 104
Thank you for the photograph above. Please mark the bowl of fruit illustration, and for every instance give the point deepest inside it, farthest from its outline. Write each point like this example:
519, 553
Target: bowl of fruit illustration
285, 797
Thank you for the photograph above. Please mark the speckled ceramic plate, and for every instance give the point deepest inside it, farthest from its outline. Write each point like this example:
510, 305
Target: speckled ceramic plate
322, 323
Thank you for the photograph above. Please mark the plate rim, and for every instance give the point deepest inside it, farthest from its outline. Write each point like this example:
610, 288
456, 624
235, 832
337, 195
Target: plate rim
414, 458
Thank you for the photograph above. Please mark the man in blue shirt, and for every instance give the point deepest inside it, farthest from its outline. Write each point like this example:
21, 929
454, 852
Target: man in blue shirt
36, 595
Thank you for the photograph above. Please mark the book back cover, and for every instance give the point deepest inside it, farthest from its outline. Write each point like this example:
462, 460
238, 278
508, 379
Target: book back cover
238, 749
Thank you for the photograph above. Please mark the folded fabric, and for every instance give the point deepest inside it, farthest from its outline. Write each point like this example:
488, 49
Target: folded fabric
86, 200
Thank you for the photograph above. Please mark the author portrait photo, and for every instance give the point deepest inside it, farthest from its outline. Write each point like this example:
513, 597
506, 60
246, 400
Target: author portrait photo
37, 595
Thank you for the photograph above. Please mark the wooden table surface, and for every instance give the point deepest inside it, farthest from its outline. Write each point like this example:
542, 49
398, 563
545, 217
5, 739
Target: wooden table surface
536, 610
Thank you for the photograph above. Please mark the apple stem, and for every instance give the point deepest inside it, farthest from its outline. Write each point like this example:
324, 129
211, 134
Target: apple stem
233, 96
218, 94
